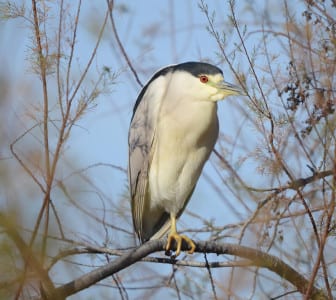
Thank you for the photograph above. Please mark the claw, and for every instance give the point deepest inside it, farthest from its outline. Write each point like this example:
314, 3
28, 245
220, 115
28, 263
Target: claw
174, 236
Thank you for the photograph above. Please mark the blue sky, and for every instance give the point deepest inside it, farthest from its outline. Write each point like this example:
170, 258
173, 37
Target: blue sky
154, 34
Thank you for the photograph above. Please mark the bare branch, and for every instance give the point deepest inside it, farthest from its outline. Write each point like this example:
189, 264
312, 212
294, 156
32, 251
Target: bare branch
257, 258
110, 4
29, 257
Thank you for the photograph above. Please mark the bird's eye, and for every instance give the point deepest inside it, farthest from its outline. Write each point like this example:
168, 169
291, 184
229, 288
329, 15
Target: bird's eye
204, 79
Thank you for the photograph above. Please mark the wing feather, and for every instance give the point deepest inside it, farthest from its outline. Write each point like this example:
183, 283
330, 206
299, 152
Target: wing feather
141, 140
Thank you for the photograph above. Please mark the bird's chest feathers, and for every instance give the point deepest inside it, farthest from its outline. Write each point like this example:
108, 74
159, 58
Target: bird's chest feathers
188, 125
185, 137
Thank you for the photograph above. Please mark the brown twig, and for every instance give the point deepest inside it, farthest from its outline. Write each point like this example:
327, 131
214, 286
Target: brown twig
29, 257
110, 4
42, 63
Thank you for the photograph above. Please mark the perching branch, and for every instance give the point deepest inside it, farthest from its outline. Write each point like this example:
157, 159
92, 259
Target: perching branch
257, 258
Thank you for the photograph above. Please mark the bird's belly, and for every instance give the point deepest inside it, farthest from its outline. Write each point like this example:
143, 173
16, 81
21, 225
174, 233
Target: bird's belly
177, 163
172, 180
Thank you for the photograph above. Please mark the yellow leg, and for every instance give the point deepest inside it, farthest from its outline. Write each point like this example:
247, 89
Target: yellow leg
173, 235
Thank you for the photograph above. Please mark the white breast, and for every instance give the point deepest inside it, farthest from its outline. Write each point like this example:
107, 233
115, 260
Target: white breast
183, 143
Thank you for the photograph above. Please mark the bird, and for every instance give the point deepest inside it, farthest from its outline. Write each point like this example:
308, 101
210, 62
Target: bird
173, 130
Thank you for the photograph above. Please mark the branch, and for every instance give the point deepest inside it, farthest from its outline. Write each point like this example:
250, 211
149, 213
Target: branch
110, 5
257, 258
295, 184
29, 257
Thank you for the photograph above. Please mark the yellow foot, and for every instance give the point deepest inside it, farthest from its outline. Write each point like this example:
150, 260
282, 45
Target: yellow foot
179, 239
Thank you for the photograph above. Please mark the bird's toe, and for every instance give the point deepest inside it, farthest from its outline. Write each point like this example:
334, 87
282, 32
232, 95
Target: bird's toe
178, 239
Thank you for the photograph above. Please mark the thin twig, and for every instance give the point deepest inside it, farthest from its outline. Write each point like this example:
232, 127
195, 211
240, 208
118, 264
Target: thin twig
58, 60
42, 63
28, 256
177, 290
110, 5
210, 276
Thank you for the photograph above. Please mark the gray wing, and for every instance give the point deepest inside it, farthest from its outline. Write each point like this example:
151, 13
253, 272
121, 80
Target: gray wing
140, 139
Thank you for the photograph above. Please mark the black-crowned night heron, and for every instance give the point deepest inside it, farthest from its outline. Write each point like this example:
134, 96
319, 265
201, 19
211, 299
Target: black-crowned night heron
173, 130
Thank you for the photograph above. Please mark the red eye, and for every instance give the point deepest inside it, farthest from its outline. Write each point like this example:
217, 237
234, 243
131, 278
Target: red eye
204, 79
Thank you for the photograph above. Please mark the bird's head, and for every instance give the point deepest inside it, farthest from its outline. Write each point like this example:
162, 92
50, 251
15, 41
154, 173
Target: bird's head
203, 81
185, 82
